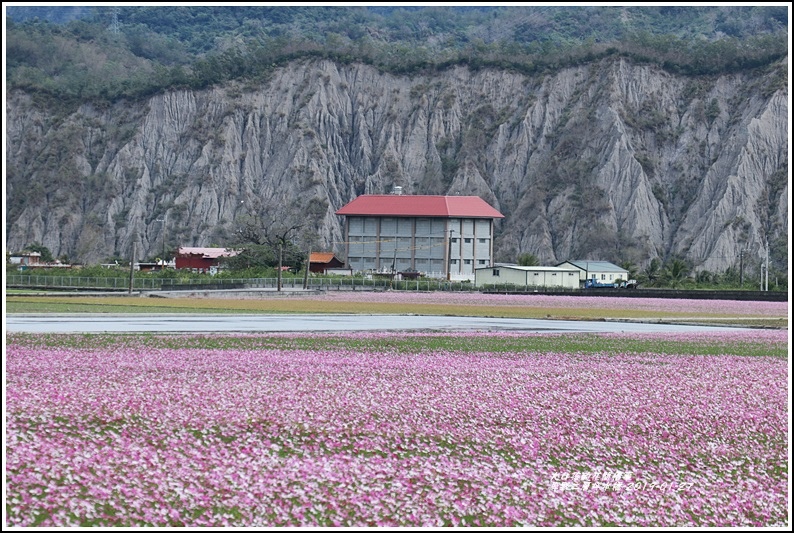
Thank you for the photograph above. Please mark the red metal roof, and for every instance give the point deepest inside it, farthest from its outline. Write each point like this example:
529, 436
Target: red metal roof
322, 257
397, 205
206, 253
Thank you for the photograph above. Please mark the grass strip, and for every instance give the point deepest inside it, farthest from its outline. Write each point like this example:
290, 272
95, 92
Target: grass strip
116, 304
412, 343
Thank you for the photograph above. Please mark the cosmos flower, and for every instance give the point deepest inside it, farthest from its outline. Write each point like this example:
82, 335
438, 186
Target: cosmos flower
132, 432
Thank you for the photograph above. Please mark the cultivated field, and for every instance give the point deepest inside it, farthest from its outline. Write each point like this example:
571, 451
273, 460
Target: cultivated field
398, 429
729, 312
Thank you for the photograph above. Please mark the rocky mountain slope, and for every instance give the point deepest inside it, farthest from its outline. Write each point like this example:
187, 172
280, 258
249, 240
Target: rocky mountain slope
609, 160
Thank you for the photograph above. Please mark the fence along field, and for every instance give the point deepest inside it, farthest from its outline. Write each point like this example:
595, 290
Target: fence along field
114, 284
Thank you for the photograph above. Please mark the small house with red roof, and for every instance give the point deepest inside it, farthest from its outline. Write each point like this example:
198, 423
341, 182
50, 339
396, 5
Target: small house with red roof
437, 236
321, 262
201, 259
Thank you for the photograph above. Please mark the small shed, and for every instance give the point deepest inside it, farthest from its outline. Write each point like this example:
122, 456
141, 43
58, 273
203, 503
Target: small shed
201, 259
321, 262
527, 276
26, 258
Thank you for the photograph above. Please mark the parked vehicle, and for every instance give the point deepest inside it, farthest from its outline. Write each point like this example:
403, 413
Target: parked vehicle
617, 284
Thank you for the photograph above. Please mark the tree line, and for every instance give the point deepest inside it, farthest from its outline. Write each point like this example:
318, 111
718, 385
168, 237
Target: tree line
153, 49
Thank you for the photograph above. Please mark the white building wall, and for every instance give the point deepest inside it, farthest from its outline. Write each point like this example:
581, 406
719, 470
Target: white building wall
606, 277
563, 280
523, 277
498, 276
599, 275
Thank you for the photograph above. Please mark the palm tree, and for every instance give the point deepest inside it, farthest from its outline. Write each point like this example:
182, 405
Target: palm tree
527, 259
675, 272
631, 268
651, 272
704, 277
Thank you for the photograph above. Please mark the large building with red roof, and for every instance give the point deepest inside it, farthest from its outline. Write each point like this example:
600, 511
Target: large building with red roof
438, 236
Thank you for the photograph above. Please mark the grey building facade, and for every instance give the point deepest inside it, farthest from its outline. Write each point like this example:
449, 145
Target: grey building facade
429, 234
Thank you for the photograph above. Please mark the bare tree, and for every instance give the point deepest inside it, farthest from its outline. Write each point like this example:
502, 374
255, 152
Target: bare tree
280, 238
272, 229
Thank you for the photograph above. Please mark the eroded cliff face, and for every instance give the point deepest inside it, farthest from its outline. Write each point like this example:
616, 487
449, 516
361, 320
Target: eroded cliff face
611, 161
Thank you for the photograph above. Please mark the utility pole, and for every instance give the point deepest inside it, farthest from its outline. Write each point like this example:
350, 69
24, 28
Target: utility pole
449, 258
281, 239
741, 267
306, 273
393, 266
163, 221
280, 258
766, 274
132, 264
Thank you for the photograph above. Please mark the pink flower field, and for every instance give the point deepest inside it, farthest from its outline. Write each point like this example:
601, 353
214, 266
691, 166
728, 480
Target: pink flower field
352, 430
672, 305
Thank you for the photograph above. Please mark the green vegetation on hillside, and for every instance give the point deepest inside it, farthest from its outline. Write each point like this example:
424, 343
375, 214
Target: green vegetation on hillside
132, 52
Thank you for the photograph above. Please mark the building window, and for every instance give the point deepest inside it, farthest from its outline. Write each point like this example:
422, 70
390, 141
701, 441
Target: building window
603, 277
467, 241
495, 273
453, 239
467, 261
535, 274
481, 261
453, 261
481, 241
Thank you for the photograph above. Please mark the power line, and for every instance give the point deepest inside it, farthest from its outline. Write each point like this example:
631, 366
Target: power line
391, 239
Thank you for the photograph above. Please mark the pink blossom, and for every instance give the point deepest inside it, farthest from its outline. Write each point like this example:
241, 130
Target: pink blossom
132, 433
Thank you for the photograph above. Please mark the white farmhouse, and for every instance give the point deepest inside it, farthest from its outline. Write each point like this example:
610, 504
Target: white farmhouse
599, 271
528, 276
